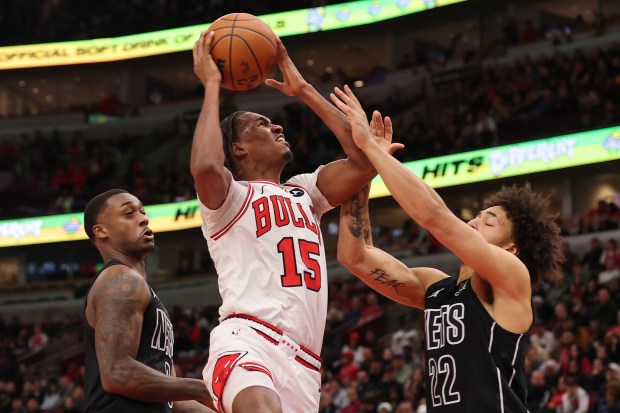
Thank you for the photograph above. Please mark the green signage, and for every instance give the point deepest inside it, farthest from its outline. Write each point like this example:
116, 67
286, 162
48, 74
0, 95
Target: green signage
337, 16
565, 151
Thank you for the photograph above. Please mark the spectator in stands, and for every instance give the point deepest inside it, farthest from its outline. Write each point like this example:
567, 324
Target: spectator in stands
384, 407
538, 392
606, 311
530, 33
348, 369
52, 397
611, 271
38, 340
576, 399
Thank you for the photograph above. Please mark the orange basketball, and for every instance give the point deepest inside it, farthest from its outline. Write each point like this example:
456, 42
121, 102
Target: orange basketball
244, 49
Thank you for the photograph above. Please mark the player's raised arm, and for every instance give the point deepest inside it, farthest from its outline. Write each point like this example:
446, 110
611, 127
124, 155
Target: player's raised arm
207, 162
120, 297
378, 269
347, 176
496, 264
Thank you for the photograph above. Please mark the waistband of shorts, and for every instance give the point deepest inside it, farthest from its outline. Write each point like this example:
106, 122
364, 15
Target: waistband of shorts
276, 336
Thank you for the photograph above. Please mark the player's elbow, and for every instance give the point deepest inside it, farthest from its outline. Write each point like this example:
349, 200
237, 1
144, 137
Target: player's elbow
114, 378
204, 167
350, 258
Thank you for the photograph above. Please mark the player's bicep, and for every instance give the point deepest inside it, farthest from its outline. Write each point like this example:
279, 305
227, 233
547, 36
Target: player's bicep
212, 186
340, 180
120, 303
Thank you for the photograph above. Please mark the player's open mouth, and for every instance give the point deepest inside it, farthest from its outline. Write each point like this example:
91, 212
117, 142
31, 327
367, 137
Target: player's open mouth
148, 234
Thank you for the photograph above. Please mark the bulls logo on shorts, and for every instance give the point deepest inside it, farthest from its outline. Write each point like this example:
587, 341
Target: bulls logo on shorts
297, 192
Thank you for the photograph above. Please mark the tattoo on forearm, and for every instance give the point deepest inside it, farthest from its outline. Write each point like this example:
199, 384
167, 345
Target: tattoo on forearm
381, 277
358, 216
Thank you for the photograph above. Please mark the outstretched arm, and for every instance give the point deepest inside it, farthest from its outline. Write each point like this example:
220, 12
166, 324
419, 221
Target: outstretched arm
119, 298
504, 271
211, 177
295, 85
341, 179
191, 406
378, 269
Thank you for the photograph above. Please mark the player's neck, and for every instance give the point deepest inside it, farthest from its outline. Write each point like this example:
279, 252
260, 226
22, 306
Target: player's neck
465, 273
256, 174
136, 263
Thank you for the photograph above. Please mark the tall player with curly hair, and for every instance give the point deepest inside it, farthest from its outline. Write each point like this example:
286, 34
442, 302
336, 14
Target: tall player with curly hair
476, 324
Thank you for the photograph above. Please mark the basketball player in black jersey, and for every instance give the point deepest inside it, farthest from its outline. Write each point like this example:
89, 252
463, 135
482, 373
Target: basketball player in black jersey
129, 337
475, 325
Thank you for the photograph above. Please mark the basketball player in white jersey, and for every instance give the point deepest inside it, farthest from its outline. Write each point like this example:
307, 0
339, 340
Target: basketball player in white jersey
266, 243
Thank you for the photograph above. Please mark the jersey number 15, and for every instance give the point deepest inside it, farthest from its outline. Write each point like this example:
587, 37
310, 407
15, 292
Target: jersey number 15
312, 272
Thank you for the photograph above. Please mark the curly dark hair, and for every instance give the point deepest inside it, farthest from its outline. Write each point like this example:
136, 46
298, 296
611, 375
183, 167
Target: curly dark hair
535, 232
230, 126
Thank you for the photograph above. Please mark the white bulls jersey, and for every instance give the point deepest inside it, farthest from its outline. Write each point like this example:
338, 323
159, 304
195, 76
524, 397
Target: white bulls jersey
266, 243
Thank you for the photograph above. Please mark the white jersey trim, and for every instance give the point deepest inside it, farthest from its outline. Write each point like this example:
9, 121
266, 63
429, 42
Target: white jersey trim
246, 203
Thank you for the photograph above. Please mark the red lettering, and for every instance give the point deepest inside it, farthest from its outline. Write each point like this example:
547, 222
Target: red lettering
279, 210
298, 222
262, 216
310, 225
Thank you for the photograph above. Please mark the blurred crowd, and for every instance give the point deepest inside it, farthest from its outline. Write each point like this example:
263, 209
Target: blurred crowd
373, 349
522, 100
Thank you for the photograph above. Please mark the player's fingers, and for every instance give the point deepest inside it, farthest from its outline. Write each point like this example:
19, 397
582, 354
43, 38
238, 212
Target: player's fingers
343, 96
274, 84
394, 147
351, 95
198, 47
388, 128
281, 50
340, 104
208, 41
378, 124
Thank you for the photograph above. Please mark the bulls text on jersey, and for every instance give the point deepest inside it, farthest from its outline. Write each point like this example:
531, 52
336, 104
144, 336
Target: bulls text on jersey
280, 211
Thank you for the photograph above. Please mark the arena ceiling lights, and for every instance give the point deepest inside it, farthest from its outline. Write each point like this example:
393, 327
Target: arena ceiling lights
337, 16
601, 145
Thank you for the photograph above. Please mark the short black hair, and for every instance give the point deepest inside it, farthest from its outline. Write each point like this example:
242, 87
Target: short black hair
535, 232
230, 133
94, 208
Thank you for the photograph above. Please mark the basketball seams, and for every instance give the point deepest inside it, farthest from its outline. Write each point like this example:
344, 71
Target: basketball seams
249, 41
251, 51
248, 29
230, 54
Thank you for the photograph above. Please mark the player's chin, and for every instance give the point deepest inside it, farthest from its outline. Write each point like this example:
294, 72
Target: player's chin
289, 156
151, 247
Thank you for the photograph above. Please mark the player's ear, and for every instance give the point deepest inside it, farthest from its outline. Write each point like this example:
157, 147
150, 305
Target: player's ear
100, 231
513, 249
238, 149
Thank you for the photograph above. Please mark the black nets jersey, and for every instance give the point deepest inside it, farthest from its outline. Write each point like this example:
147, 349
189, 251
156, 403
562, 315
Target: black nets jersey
155, 350
472, 364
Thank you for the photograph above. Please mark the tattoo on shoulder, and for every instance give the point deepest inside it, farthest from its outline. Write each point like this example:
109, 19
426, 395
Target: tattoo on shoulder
381, 277
122, 286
